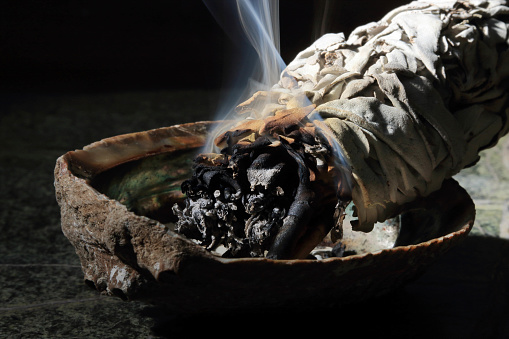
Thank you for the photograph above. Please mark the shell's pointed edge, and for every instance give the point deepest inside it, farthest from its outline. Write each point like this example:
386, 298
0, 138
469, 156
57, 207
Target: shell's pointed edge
136, 257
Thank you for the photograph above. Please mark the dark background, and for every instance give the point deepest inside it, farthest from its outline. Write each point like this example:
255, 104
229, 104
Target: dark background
84, 46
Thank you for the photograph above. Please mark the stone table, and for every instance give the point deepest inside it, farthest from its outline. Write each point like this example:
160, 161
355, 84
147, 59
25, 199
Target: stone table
42, 292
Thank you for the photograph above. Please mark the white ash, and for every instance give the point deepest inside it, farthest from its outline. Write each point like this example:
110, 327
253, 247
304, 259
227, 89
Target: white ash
263, 177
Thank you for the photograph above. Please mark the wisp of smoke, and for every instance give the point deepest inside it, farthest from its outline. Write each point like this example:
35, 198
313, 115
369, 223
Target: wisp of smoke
258, 22
261, 67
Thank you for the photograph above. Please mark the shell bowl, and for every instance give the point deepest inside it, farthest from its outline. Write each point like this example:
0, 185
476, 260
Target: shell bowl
115, 197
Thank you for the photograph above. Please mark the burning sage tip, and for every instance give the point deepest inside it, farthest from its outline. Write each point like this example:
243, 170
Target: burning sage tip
260, 198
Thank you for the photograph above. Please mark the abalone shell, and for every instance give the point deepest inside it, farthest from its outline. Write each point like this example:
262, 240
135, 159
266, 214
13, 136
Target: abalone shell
116, 195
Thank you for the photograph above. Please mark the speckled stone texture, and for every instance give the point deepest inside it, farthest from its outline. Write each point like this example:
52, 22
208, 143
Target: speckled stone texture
43, 292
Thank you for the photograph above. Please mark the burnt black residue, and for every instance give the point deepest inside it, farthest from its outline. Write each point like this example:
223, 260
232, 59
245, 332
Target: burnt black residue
225, 208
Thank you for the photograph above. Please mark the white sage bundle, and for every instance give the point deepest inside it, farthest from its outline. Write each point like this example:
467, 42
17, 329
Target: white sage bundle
411, 99
407, 102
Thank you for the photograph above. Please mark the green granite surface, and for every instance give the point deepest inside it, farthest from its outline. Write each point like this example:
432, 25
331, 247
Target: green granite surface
488, 184
43, 295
